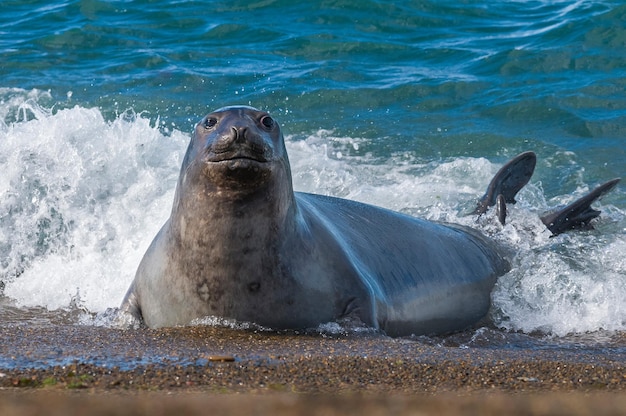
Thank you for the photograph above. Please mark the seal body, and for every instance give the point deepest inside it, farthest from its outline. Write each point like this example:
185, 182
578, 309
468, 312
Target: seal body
241, 244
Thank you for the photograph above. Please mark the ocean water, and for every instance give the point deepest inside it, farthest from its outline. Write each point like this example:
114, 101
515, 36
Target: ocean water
410, 105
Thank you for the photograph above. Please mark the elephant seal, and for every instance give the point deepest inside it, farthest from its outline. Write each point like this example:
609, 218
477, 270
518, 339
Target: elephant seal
241, 244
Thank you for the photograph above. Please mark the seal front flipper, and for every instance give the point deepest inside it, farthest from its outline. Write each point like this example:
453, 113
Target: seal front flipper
508, 181
130, 306
579, 213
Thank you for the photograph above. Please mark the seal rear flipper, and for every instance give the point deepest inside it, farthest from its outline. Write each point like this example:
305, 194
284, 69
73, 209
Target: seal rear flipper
579, 213
508, 181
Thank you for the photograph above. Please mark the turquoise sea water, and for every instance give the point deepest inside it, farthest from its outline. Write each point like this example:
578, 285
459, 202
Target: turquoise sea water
412, 105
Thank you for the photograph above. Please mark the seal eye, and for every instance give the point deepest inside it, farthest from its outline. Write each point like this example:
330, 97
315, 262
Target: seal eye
267, 121
210, 122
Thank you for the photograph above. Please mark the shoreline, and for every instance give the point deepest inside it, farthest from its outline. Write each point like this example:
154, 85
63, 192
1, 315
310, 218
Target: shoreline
330, 376
223, 359
62, 369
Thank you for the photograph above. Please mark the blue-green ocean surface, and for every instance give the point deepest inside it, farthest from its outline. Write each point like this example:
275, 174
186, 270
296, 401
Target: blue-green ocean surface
411, 105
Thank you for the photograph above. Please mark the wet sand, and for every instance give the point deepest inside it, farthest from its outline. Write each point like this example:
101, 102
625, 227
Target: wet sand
60, 369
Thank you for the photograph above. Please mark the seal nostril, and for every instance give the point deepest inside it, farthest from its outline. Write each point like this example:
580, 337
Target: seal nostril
239, 133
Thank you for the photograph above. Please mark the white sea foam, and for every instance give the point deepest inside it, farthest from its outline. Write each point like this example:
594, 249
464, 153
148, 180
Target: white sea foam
81, 198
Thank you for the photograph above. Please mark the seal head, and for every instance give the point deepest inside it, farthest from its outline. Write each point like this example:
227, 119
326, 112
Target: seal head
235, 148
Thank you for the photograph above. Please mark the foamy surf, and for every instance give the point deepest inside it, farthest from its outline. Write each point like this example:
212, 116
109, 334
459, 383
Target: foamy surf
81, 198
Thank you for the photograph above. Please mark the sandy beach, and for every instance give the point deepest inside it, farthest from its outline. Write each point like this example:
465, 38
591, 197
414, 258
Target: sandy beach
72, 369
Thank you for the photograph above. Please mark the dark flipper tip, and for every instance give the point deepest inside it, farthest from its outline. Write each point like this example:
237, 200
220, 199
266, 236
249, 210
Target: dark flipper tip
508, 181
501, 209
578, 213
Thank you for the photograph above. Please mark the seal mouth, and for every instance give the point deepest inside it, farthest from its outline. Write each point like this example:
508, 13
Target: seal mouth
249, 150
238, 163
236, 156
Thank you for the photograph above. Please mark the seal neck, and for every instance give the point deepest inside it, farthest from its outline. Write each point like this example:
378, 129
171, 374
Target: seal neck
207, 216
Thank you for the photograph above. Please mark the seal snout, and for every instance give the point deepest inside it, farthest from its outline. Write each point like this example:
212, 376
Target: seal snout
239, 142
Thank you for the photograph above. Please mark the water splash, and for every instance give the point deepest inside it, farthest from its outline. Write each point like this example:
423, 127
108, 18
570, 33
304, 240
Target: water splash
81, 197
